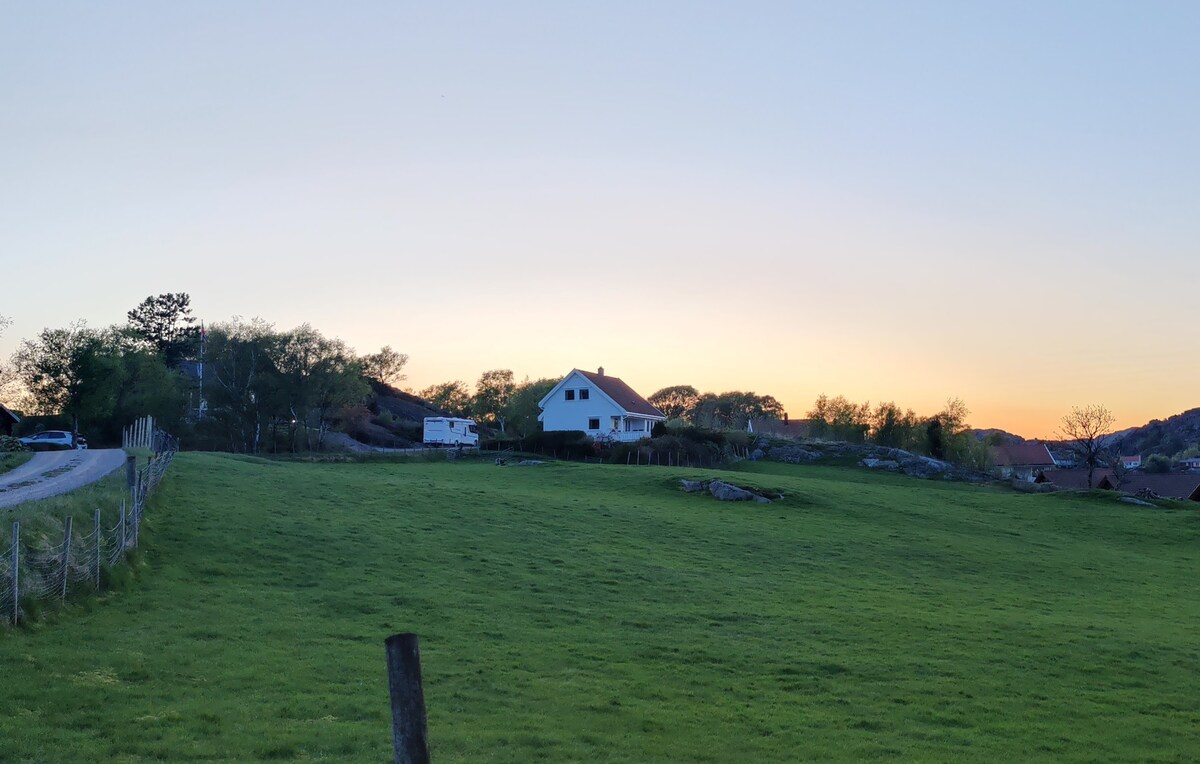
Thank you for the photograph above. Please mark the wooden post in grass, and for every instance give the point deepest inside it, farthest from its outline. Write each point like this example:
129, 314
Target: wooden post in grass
99, 536
130, 470
16, 571
410, 734
66, 551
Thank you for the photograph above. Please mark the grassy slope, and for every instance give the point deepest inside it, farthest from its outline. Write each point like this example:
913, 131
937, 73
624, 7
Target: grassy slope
12, 459
582, 613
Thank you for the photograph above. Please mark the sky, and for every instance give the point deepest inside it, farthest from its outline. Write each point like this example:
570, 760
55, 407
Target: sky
889, 201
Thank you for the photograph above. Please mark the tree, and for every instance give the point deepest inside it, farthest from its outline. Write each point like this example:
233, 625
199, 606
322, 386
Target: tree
731, 410
677, 401
1157, 464
148, 388
523, 405
935, 440
1084, 430
245, 380
166, 323
451, 397
954, 416
319, 376
493, 392
70, 371
892, 427
5, 322
386, 366
840, 419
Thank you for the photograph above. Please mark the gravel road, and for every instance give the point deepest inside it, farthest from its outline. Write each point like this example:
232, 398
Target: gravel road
50, 473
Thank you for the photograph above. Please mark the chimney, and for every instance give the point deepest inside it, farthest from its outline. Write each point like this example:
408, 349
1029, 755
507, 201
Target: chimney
785, 419
600, 371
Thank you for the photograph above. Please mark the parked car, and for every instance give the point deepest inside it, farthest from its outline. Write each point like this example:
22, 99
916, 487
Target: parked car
52, 440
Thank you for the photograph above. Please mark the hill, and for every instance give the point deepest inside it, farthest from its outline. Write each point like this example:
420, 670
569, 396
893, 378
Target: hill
1168, 436
575, 612
390, 418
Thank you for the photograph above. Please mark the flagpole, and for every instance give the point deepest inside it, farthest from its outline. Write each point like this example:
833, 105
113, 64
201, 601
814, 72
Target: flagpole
200, 403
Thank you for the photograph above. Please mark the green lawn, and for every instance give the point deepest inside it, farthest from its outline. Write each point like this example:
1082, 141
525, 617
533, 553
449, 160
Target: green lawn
595, 613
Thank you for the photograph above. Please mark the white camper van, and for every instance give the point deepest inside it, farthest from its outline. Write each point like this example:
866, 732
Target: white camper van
448, 431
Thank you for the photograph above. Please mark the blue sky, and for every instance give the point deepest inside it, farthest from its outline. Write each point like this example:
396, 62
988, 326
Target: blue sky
890, 201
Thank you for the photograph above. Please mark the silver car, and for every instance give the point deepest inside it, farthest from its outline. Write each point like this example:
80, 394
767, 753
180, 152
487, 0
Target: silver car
52, 440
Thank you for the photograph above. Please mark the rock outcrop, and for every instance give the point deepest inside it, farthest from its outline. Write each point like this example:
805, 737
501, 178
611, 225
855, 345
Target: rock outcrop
870, 456
722, 491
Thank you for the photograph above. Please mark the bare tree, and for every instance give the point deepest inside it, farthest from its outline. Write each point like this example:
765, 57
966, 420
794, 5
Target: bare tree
1084, 430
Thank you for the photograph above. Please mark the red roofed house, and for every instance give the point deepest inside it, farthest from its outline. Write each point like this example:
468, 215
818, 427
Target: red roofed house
1131, 462
600, 405
1022, 460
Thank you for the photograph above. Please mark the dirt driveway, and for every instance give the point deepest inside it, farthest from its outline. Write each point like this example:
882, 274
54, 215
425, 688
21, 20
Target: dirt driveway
50, 473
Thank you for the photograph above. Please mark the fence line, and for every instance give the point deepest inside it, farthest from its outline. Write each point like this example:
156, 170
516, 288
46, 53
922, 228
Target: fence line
78, 561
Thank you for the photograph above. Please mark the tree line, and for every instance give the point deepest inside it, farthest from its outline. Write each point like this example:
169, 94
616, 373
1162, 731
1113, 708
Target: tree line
258, 386
942, 435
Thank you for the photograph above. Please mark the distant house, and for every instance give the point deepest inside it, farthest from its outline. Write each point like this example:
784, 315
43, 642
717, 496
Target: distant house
600, 405
1190, 464
1022, 460
8, 420
1131, 462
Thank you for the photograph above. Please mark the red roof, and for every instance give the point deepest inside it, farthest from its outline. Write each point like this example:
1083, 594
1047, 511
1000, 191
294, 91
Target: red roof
1177, 486
1023, 454
622, 394
1072, 479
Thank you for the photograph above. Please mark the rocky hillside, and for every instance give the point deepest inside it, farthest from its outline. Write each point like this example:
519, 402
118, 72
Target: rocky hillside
998, 437
1165, 436
391, 418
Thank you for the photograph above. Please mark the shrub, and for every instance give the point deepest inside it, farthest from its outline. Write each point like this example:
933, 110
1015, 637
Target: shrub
9, 443
569, 444
669, 449
1157, 463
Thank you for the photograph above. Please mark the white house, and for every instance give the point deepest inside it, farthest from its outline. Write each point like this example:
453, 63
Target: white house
600, 405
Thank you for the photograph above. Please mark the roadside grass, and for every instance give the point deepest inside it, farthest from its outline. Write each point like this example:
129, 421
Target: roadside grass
10, 460
574, 612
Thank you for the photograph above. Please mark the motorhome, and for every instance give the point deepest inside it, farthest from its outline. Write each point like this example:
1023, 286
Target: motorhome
450, 431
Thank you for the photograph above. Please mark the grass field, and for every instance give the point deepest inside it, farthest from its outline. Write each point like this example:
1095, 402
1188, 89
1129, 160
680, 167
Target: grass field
595, 613
13, 459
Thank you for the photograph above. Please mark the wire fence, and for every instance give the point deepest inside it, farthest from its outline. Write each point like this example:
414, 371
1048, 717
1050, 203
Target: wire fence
43, 570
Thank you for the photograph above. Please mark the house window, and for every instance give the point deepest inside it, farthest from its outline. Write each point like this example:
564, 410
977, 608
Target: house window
570, 395
616, 423
583, 394
594, 424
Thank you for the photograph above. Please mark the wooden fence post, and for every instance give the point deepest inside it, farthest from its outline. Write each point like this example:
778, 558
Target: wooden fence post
16, 571
130, 470
99, 535
409, 729
66, 552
